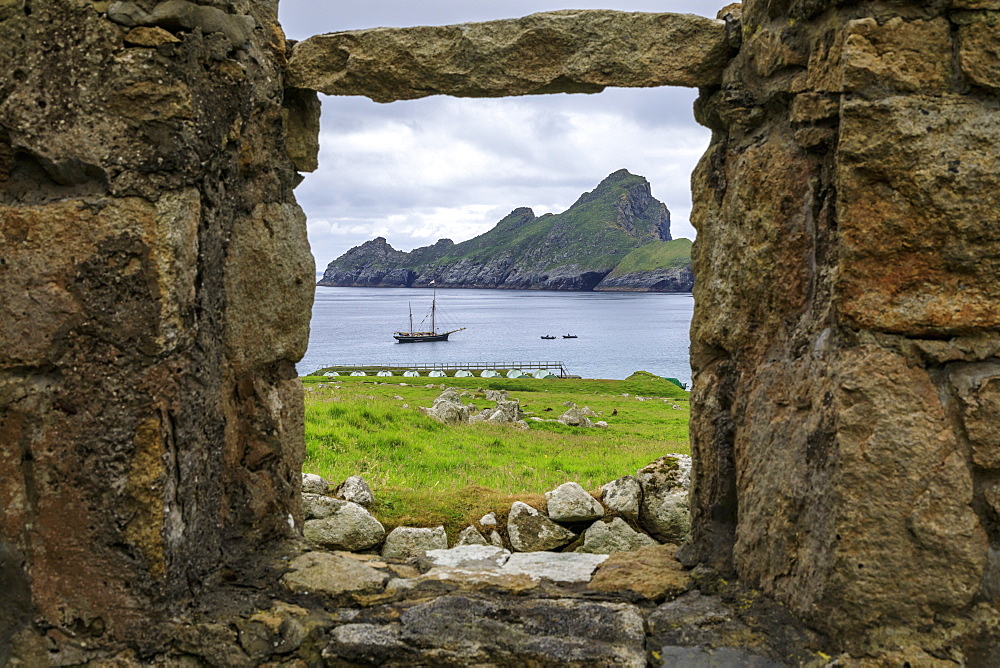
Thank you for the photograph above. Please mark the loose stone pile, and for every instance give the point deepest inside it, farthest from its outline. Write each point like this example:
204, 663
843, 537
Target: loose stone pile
633, 512
449, 409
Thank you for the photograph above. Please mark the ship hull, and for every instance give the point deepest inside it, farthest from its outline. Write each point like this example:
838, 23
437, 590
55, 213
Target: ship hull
402, 337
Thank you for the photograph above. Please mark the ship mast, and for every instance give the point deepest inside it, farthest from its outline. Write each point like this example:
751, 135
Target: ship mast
433, 308
410, 306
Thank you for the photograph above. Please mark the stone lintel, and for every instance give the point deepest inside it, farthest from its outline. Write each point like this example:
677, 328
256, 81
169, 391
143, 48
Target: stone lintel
570, 51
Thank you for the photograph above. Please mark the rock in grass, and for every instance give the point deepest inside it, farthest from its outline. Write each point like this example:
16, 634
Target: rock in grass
314, 484
530, 531
574, 417
495, 539
506, 411
470, 536
615, 535
623, 497
355, 489
406, 542
570, 502
448, 408
348, 527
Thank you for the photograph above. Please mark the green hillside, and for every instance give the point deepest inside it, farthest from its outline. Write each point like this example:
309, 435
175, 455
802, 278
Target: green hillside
572, 250
655, 255
589, 232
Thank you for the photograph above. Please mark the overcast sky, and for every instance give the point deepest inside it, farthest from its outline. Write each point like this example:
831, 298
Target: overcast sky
420, 170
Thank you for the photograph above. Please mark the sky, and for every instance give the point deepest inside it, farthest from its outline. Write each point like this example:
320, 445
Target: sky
420, 170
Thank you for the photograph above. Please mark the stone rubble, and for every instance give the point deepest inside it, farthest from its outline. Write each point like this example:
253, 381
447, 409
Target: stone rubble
623, 496
614, 535
478, 605
645, 509
405, 542
449, 409
314, 484
348, 526
530, 531
355, 489
570, 502
470, 536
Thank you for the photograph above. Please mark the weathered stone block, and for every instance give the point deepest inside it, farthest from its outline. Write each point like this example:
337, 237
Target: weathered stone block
153, 246
979, 49
269, 282
341, 525
567, 51
407, 542
813, 107
748, 240
872, 58
301, 112
332, 575
773, 50
908, 56
917, 179
530, 530
978, 390
570, 502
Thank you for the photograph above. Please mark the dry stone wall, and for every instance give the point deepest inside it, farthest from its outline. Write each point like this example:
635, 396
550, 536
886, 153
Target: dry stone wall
846, 337
155, 287
155, 290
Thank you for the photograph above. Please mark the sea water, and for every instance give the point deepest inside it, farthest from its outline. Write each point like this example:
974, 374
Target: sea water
617, 332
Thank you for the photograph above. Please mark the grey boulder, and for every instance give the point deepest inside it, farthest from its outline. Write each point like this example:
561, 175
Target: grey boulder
530, 531
570, 502
623, 497
355, 489
615, 535
343, 526
406, 542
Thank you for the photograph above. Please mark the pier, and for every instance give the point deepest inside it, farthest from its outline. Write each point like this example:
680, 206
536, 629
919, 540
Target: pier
557, 368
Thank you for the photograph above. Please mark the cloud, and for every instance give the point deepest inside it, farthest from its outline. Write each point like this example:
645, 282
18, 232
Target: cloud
304, 18
420, 170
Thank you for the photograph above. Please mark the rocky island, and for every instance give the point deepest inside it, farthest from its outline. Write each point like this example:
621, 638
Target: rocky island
616, 237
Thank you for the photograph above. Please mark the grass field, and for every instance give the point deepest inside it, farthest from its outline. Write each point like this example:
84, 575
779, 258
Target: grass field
425, 473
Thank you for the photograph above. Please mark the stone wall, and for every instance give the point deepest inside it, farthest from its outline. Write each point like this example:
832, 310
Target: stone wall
846, 336
155, 289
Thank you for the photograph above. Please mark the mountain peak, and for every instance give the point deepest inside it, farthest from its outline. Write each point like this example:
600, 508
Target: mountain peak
616, 176
572, 250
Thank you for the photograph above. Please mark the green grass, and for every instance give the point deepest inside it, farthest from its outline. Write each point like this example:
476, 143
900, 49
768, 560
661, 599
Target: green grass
425, 473
655, 255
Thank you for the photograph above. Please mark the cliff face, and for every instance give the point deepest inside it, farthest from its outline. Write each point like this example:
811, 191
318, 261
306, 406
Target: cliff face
573, 250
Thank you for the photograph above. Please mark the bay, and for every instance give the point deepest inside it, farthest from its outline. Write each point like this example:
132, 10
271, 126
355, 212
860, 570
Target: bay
618, 332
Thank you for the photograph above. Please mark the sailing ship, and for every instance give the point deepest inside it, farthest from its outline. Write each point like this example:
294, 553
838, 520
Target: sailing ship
423, 337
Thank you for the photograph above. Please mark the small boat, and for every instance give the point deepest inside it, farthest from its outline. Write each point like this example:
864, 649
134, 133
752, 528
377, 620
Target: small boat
569, 336
424, 337
548, 337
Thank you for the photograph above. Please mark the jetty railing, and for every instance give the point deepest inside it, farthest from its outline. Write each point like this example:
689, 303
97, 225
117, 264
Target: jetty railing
552, 365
